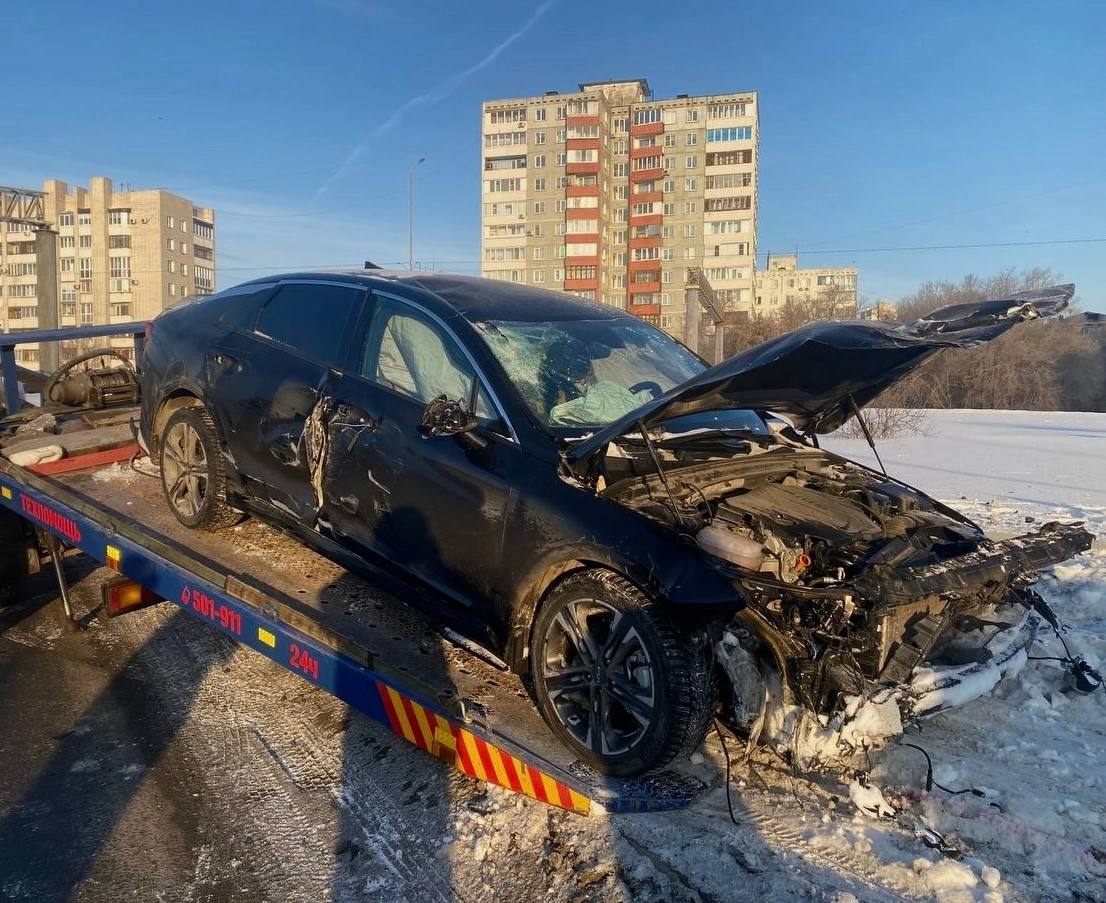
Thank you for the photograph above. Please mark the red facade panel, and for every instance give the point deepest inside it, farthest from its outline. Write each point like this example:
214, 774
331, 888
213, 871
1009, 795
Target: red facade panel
644, 310
582, 169
582, 213
646, 175
592, 260
648, 128
647, 197
582, 285
638, 288
573, 121
636, 265
646, 219
582, 143
650, 241
582, 191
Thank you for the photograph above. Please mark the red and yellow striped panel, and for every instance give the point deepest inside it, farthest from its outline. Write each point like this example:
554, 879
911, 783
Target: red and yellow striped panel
472, 754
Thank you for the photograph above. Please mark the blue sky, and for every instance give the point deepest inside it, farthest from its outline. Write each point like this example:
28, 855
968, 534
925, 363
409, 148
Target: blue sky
887, 124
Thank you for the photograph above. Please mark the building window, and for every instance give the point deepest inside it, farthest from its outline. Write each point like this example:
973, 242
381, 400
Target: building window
537, 231
666, 253
562, 181
504, 139
562, 159
538, 276
172, 244
559, 229
666, 276
500, 117
539, 184
539, 114
621, 124
539, 253
692, 116
558, 275
68, 264
66, 241
647, 116
690, 184
539, 160
172, 266
492, 185
669, 140
539, 137
689, 207
84, 218
689, 253
725, 110
66, 219
689, 230
86, 267
691, 162
171, 222
85, 241
692, 138
119, 267
669, 209
560, 136
734, 133
621, 170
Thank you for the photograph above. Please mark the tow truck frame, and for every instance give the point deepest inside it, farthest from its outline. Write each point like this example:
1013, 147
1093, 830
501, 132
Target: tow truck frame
241, 606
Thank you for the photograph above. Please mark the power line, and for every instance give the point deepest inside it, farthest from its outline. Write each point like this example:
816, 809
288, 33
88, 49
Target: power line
1001, 244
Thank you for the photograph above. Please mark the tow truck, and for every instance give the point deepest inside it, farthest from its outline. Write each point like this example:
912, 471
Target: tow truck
373, 653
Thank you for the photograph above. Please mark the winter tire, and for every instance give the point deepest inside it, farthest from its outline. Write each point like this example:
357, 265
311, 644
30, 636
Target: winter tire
614, 679
192, 471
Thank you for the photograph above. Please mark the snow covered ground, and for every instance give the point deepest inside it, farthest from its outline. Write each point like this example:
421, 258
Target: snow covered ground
299, 799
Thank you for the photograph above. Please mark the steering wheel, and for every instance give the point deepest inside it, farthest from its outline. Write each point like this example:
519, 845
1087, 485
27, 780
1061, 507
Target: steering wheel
653, 387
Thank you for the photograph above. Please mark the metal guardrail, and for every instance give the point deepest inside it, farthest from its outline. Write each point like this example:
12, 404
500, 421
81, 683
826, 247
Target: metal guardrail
9, 340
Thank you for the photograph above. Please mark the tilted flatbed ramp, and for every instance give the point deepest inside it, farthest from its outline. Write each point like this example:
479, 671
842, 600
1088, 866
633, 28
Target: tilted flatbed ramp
344, 634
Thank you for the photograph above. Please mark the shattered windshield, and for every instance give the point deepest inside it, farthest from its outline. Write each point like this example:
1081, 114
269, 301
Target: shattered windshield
588, 373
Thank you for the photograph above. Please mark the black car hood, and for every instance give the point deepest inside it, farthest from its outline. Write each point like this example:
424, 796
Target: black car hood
814, 375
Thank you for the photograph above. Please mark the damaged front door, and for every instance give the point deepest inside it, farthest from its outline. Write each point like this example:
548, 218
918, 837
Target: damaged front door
275, 385
433, 504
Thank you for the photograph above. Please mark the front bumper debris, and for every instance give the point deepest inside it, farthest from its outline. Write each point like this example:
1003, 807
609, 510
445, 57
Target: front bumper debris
992, 563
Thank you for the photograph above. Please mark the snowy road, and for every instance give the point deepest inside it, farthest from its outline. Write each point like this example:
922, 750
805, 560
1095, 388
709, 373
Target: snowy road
147, 758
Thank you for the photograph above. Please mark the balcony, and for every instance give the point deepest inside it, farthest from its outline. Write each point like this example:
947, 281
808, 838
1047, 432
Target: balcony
582, 191
582, 285
646, 241
643, 288
582, 144
646, 219
591, 260
576, 121
647, 175
644, 310
638, 265
582, 213
648, 197
646, 128
582, 169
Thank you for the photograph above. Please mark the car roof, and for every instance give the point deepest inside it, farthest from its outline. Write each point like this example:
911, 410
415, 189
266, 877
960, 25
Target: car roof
475, 298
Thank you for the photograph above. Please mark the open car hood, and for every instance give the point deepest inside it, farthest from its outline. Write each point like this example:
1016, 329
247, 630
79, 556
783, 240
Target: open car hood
814, 375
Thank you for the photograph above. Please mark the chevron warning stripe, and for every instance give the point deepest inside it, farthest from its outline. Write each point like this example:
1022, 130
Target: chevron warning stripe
473, 755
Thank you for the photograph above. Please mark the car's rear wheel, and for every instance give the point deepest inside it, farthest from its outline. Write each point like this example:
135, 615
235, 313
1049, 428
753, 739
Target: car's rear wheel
192, 473
614, 679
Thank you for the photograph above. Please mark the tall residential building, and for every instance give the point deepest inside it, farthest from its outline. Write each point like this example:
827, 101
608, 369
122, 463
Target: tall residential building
827, 291
610, 193
120, 256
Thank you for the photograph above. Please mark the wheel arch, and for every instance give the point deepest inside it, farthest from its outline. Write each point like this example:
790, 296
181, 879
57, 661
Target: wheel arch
171, 402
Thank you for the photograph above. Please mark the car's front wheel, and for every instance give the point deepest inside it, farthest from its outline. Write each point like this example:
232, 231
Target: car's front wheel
192, 470
613, 677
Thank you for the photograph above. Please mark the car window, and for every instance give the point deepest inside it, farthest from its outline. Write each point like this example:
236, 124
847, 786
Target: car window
411, 354
312, 318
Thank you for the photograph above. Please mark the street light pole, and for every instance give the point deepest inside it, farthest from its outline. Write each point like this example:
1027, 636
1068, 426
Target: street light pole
411, 213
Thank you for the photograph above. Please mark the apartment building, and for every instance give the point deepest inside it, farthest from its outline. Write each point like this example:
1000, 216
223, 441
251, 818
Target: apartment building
119, 255
613, 194
828, 291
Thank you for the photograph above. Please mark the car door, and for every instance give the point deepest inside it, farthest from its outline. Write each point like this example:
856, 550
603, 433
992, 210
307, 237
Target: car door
433, 506
272, 384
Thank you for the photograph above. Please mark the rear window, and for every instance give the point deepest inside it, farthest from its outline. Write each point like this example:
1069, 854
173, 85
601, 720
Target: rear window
313, 319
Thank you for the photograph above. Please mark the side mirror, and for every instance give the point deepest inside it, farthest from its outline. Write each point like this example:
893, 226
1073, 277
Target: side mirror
443, 417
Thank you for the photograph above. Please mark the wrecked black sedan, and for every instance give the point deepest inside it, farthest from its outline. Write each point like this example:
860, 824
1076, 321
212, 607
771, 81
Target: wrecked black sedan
643, 537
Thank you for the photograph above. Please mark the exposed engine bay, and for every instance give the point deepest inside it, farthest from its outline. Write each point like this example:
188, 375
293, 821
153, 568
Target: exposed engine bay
852, 581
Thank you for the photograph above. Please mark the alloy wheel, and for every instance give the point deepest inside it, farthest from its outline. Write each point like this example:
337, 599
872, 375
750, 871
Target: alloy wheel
185, 470
599, 676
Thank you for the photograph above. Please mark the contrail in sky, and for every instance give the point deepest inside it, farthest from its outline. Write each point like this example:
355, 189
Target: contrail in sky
438, 93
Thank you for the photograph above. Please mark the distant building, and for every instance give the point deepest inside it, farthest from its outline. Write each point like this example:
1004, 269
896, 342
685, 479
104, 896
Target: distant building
881, 310
613, 194
782, 282
120, 256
